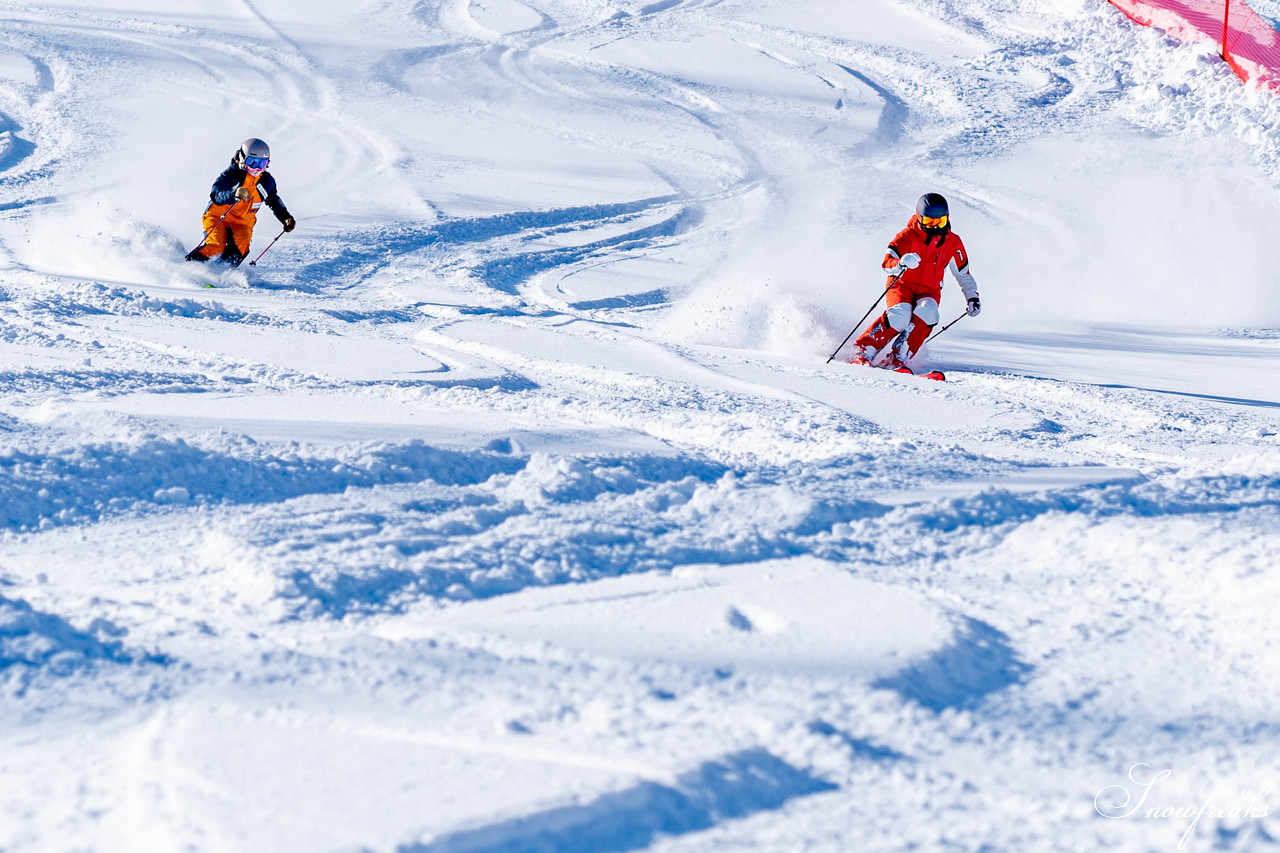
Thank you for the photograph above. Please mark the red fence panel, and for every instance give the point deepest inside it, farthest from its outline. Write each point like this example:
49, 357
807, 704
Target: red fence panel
1252, 45
1246, 40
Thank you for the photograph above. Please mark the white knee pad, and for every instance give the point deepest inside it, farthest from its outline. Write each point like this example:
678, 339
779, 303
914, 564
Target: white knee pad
899, 316
927, 311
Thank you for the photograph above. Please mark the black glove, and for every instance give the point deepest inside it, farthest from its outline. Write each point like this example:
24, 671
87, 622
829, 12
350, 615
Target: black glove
974, 307
289, 223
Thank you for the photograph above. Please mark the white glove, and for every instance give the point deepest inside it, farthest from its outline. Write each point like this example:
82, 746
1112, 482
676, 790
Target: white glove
910, 260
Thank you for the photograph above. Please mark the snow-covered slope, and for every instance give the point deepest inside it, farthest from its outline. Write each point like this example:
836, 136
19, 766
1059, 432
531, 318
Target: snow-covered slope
508, 503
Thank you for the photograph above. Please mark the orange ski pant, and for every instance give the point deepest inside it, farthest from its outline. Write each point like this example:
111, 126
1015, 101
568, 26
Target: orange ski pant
230, 229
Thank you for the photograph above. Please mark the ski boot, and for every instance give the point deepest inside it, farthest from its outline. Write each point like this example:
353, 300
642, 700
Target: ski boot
859, 357
895, 363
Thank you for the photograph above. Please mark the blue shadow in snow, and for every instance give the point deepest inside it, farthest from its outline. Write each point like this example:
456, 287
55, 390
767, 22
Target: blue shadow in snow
506, 273
731, 787
34, 641
377, 245
1117, 338
979, 662
659, 7
632, 300
395, 66
376, 318
17, 150
18, 205
860, 747
1213, 398
893, 115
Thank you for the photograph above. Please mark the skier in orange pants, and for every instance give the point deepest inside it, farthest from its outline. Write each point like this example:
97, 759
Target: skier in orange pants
234, 201
915, 262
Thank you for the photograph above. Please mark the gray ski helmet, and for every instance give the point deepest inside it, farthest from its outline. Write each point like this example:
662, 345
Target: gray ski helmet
254, 147
931, 205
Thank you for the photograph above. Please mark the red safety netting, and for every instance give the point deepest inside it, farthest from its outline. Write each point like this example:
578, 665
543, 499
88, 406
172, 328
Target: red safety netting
1246, 40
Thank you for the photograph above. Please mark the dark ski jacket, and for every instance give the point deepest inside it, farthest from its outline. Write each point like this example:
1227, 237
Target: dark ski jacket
224, 190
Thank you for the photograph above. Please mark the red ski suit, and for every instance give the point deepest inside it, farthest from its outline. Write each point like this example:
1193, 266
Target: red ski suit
913, 298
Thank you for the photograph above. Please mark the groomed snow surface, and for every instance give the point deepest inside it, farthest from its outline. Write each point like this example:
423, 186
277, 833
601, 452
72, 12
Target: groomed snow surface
508, 504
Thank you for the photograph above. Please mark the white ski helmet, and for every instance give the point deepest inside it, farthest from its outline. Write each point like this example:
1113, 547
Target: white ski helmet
253, 147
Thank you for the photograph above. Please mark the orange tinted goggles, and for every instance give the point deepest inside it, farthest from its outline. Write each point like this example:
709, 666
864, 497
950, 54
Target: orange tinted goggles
933, 221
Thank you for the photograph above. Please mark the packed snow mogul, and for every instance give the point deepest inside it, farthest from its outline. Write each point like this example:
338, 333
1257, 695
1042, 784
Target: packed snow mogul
233, 205
915, 262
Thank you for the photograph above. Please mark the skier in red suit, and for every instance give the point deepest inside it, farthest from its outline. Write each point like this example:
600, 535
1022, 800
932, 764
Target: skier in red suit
915, 262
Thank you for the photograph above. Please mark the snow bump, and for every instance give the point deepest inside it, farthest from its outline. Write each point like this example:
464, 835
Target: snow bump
33, 640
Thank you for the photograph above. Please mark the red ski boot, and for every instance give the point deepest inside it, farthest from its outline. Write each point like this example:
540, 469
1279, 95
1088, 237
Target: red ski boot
859, 357
896, 364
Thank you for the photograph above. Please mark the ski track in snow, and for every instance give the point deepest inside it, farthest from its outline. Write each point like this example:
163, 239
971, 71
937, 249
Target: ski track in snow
508, 505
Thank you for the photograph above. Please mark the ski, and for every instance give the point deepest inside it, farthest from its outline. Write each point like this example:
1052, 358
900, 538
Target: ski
936, 375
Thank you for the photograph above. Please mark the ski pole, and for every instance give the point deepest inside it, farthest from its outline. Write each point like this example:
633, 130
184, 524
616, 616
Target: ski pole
254, 262
858, 325
944, 328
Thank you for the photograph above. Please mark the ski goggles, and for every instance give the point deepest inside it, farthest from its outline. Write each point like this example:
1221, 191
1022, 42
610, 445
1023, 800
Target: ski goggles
933, 221
256, 162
